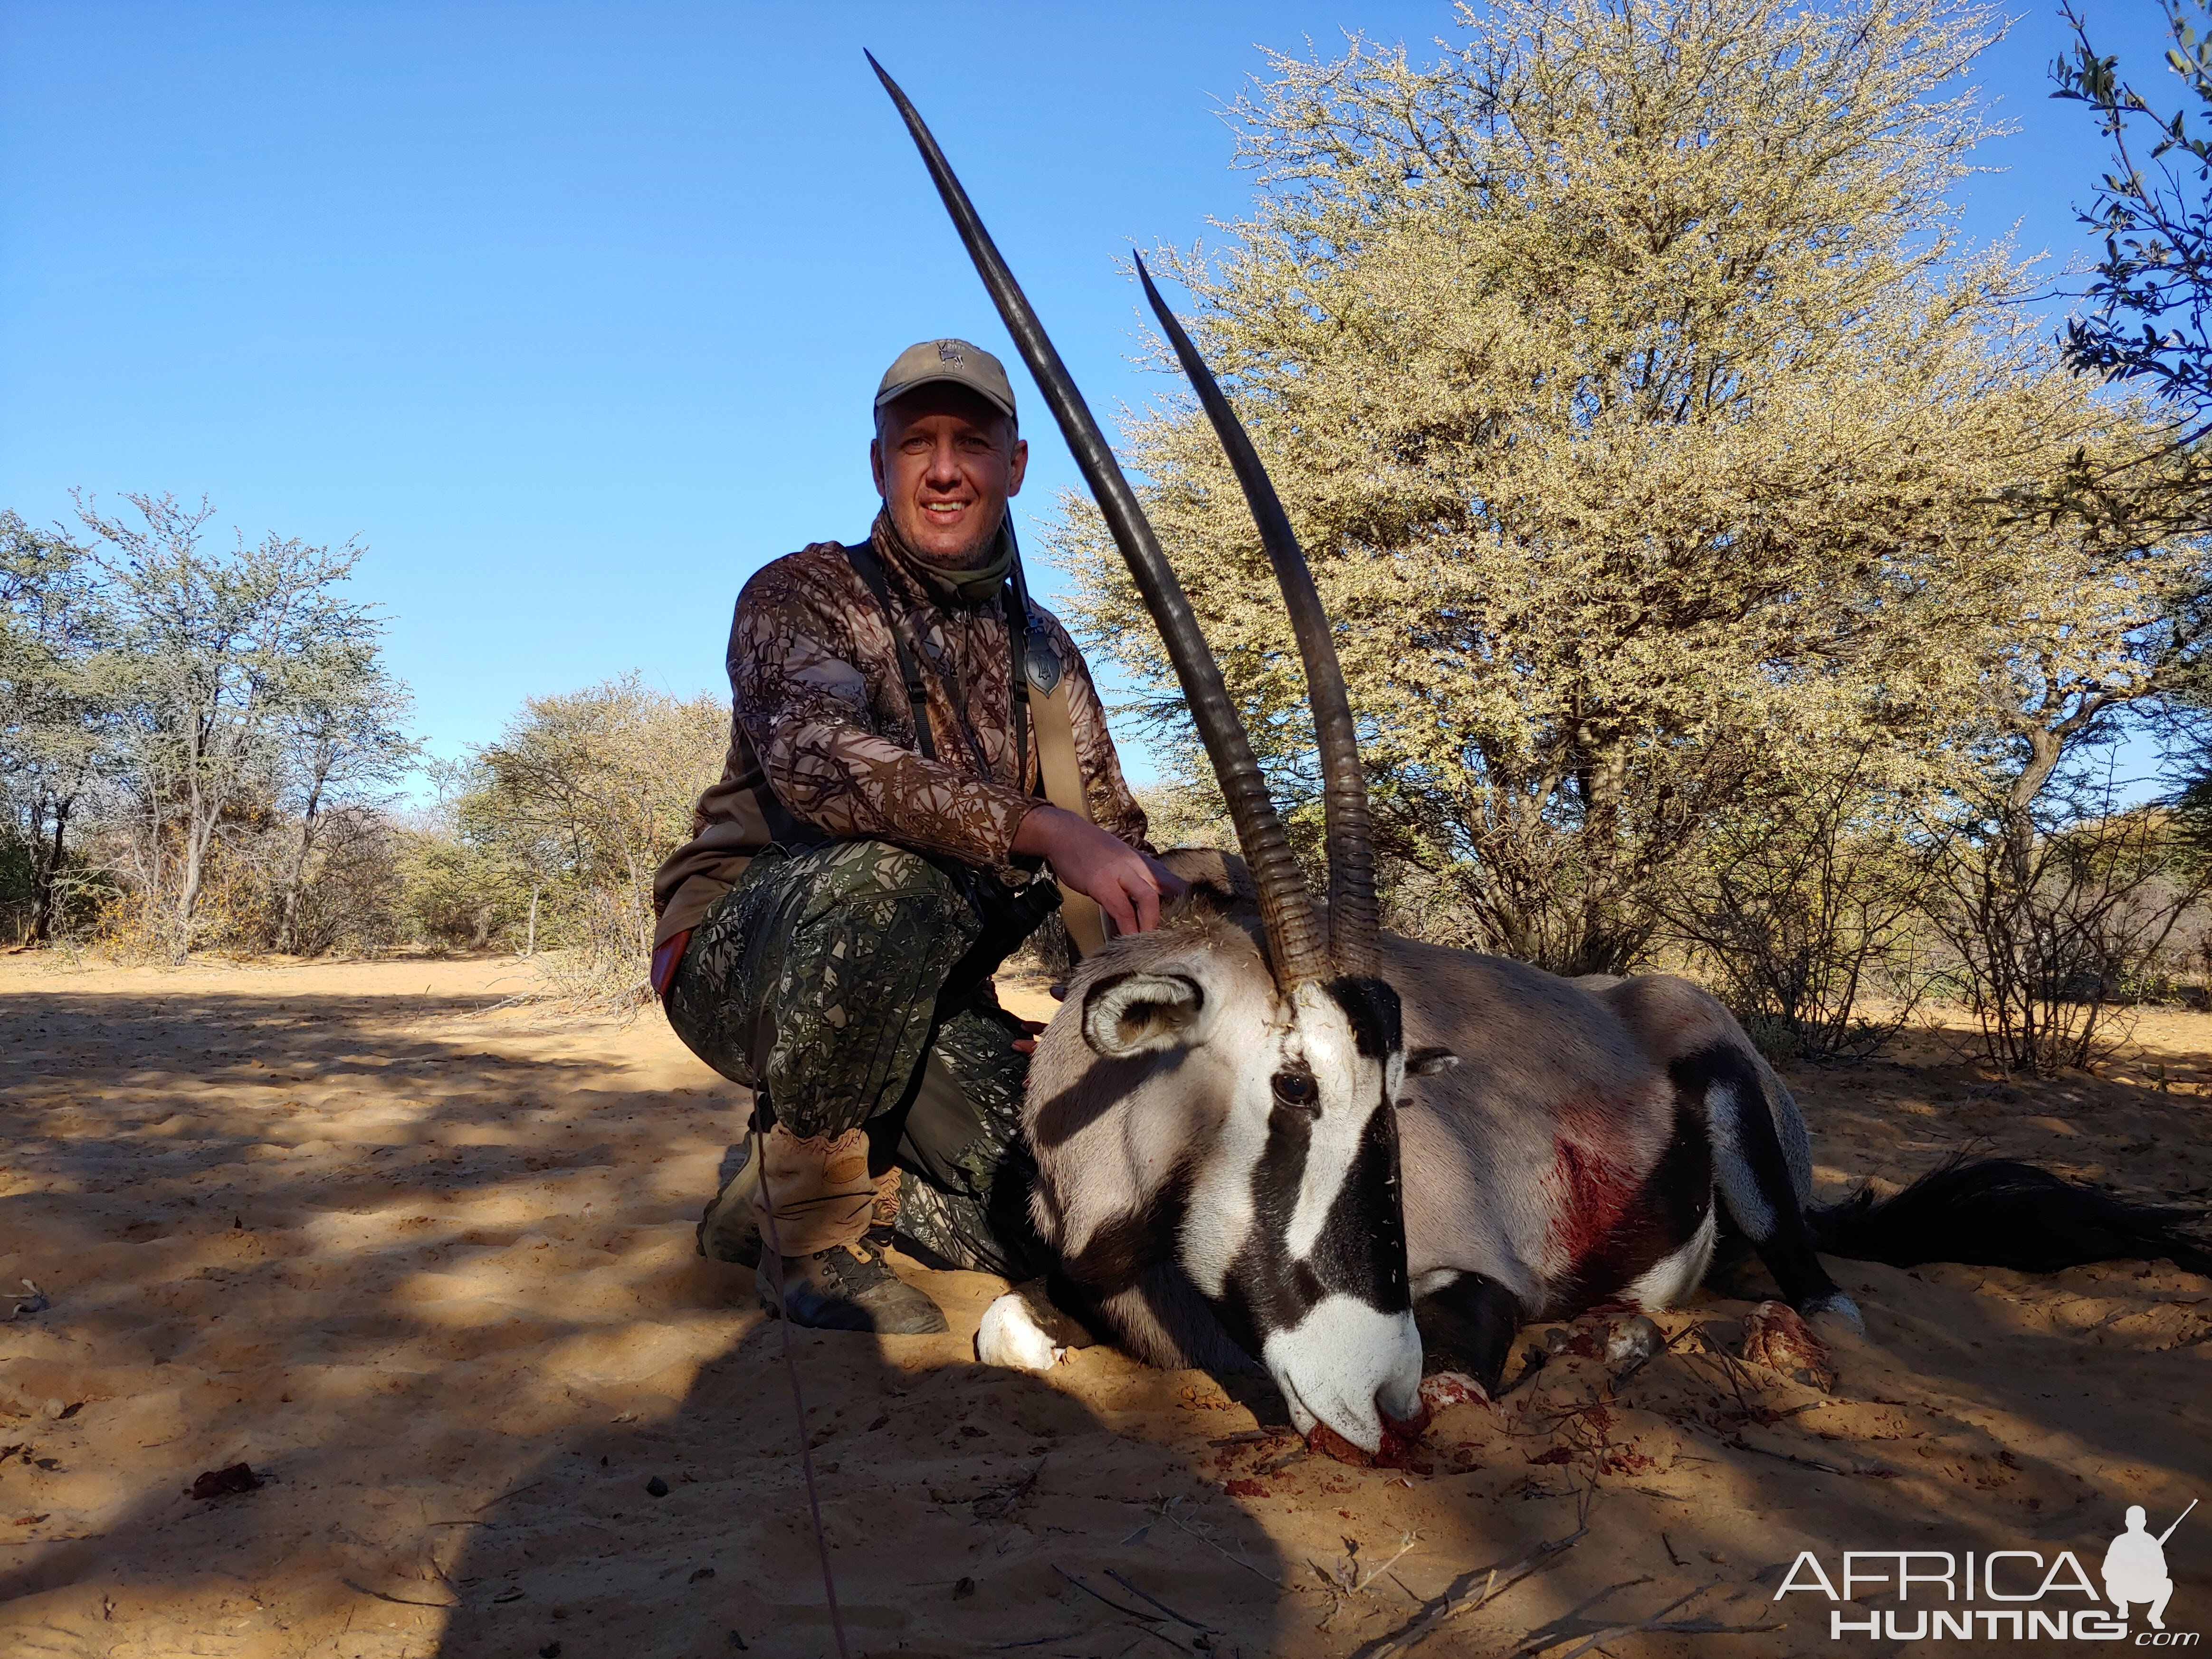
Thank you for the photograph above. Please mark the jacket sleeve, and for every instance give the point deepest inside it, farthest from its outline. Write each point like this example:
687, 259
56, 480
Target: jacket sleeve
805, 702
1113, 808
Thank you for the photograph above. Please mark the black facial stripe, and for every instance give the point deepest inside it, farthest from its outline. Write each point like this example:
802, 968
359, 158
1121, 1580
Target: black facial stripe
1361, 1248
1359, 1252
1371, 1008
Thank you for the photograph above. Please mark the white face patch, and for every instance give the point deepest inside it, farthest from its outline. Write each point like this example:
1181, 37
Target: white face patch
1220, 1216
1351, 1093
1343, 1358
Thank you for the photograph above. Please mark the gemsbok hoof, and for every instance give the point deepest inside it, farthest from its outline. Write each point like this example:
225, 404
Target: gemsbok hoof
1022, 1330
1776, 1335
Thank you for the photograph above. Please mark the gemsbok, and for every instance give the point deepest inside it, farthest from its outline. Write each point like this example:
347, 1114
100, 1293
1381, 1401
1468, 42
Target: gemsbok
1327, 1156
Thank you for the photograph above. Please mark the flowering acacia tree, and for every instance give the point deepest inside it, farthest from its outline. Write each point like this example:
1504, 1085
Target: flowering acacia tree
1654, 437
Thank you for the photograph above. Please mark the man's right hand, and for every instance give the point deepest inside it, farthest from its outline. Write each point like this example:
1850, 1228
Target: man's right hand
1123, 883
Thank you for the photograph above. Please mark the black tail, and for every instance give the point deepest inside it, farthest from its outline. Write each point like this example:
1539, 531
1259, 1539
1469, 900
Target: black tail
1993, 1213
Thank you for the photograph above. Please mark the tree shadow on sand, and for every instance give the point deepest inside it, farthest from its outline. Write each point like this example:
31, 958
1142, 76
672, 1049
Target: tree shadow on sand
422, 1271
423, 1268
967, 1509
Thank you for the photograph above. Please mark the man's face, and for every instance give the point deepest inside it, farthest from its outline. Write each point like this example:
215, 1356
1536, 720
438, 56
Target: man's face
946, 461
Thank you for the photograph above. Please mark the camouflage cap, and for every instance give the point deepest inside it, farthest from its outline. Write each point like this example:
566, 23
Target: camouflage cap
955, 360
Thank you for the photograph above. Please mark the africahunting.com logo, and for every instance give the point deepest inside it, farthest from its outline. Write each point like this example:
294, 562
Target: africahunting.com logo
2033, 1599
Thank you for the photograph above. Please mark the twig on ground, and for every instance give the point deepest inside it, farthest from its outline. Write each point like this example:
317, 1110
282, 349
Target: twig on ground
399, 1601
1373, 1573
1612, 1631
997, 1505
1164, 1511
1155, 1601
1570, 1625
1456, 1599
1133, 1613
1742, 1445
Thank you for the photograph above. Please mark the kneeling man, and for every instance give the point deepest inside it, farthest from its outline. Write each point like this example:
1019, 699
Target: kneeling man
870, 854
2135, 1569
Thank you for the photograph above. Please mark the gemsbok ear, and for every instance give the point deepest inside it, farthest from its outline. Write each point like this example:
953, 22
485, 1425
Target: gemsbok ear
1427, 1062
1142, 1013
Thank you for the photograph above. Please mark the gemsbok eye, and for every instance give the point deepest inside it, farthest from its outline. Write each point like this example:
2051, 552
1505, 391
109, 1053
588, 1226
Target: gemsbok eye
1298, 1089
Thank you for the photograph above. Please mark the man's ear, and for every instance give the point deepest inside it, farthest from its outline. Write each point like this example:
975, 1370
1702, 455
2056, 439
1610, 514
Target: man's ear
1017, 466
1127, 1014
876, 459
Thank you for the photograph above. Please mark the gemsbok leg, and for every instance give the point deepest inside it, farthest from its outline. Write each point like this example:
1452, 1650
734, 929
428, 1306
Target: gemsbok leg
1754, 1177
1467, 1321
1761, 1162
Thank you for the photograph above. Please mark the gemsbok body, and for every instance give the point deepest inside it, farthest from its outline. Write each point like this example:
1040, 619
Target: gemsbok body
1339, 1156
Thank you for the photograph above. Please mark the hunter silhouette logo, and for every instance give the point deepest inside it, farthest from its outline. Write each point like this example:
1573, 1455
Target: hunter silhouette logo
2135, 1566
2034, 1598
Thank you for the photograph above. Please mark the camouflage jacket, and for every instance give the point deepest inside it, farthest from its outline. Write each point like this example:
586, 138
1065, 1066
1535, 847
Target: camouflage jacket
822, 739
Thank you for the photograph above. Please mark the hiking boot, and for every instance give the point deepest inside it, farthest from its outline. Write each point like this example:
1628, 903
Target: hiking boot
729, 1227
848, 1288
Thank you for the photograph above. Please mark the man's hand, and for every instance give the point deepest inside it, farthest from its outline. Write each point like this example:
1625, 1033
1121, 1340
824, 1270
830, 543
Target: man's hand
1124, 883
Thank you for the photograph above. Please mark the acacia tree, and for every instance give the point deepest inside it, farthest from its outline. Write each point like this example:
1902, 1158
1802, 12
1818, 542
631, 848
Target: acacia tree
54, 710
340, 744
215, 654
1650, 430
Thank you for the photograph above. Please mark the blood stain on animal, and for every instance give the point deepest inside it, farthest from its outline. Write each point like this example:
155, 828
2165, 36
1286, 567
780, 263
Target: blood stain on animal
1590, 1194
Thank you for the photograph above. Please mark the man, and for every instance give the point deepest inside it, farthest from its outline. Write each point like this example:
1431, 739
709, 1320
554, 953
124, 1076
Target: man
826, 937
2135, 1568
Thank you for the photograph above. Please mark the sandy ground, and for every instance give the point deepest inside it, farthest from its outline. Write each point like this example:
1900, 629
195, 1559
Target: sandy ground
425, 1264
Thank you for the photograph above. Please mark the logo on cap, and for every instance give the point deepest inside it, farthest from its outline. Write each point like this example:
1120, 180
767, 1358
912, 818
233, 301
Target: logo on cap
948, 351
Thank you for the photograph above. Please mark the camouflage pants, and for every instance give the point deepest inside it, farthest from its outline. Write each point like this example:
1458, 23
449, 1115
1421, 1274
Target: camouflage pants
815, 982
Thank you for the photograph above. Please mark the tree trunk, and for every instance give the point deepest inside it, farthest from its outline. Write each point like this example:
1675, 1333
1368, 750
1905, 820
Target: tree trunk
530, 941
288, 912
2043, 751
195, 868
42, 917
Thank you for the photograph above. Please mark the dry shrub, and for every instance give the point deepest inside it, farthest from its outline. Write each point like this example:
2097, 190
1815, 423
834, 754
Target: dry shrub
2056, 918
1808, 903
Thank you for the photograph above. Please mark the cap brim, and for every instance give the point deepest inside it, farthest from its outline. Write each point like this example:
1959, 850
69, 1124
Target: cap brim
892, 394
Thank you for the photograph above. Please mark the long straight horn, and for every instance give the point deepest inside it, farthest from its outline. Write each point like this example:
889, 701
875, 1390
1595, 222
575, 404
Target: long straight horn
1354, 922
1286, 908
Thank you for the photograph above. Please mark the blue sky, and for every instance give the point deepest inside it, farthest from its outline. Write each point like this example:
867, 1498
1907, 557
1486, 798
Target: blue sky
572, 314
